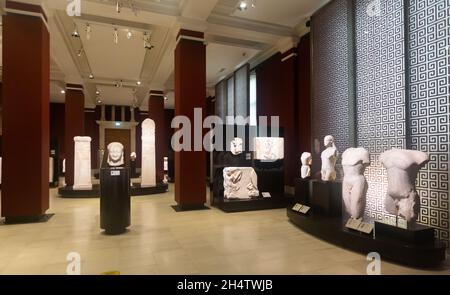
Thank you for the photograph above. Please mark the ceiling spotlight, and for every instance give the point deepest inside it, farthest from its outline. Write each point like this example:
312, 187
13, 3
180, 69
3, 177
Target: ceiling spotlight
119, 84
91, 76
75, 33
80, 52
165, 98
99, 101
129, 34
116, 36
147, 44
97, 92
138, 83
88, 32
118, 6
63, 92
243, 5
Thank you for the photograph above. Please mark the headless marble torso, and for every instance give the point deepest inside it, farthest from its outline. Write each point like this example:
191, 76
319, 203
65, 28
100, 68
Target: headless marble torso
306, 159
329, 157
354, 185
402, 167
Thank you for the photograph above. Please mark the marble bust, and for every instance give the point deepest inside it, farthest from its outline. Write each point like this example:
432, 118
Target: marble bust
306, 159
354, 184
329, 157
402, 168
236, 146
115, 155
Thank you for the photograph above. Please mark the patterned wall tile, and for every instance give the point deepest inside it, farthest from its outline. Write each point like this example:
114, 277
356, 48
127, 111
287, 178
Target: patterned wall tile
380, 100
330, 99
429, 77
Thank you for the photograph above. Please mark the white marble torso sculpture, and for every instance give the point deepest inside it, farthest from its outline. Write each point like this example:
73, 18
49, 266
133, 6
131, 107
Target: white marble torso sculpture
329, 157
240, 183
402, 167
236, 146
354, 184
82, 165
115, 154
269, 148
306, 159
148, 178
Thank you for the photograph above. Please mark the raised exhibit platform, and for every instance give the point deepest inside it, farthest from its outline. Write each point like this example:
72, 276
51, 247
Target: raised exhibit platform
233, 206
331, 229
137, 190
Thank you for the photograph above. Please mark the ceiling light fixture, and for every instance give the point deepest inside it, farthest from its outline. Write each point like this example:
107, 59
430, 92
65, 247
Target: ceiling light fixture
147, 44
91, 76
80, 52
116, 36
243, 5
63, 92
129, 34
97, 92
88, 32
75, 33
119, 84
138, 83
99, 101
165, 98
118, 6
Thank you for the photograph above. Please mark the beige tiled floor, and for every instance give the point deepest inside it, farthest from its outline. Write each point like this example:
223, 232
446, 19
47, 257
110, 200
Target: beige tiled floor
161, 241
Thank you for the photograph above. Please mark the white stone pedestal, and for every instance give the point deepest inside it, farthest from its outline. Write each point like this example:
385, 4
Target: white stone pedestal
82, 165
148, 173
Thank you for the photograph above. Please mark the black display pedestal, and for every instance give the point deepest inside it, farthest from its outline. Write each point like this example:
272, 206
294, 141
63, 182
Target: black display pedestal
302, 189
414, 234
326, 198
114, 200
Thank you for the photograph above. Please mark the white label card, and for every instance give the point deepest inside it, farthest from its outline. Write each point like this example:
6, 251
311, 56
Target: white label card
115, 173
366, 228
266, 195
353, 224
305, 209
297, 207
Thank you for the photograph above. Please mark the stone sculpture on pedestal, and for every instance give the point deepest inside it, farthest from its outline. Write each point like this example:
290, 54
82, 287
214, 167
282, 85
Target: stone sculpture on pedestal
402, 167
115, 155
329, 157
269, 148
82, 165
240, 183
148, 177
306, 159
236, 146
354, 185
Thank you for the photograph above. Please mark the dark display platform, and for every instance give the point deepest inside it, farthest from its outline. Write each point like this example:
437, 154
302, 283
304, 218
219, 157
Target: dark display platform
69, 192
326, 198
160, 188
415, 234
331, 230
233, 206
302, 189
115, 200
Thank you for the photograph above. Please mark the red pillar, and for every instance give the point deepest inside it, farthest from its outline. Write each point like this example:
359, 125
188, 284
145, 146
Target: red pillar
288, 90
190, 93
156, 113
26, 91
74, 126
304, 95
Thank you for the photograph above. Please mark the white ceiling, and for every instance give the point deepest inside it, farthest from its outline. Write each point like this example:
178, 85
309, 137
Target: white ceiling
232, 37
285, 12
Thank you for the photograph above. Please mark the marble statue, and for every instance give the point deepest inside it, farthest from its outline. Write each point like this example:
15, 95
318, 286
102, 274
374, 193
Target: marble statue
236, 146
402, 167
329, 157
269, 148
148, 173
115, 154
82, 163
240, 183
354, 184
306, 159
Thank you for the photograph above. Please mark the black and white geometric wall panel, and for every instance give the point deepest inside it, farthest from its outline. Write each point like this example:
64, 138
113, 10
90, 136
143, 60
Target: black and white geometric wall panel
380, 84
429, 103
330, 100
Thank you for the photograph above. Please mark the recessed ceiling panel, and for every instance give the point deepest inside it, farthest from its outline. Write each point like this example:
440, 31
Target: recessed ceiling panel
111, 95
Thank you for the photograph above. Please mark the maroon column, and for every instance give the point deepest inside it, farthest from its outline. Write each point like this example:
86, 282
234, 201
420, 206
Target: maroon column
74, 126
26, 90
156, 113
288, 90
304, 94
190, 93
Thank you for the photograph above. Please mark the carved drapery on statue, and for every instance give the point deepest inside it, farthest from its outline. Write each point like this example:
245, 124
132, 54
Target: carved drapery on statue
148, 177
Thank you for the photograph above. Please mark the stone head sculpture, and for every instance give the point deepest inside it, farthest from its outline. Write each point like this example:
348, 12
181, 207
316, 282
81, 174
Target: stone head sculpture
354, 184
133, 156
402, 168
236, 146
328, 141
115, 154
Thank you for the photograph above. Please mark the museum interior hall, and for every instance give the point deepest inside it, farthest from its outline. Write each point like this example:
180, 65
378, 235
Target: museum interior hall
224, 137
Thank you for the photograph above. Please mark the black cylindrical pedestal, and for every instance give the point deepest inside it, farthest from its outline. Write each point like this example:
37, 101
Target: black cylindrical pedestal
114, 200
